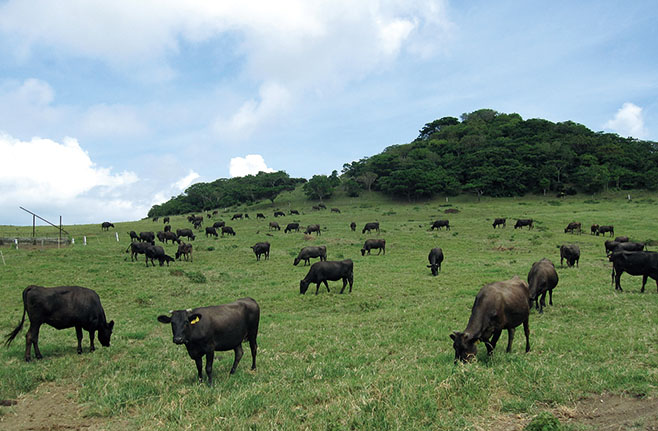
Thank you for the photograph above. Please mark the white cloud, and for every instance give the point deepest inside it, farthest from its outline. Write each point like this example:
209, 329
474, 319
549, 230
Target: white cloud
186, 181
628, 121
250, 164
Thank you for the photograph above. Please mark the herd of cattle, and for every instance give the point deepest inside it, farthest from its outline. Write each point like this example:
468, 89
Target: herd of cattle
498, 306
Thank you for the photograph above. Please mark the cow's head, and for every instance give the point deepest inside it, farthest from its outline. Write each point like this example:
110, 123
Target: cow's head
435, 269
296, 261
363, 252
464, 345
181, 324
105, 332
303, 287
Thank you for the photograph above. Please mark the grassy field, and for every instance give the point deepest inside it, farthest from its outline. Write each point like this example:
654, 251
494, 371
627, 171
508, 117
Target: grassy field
378, 358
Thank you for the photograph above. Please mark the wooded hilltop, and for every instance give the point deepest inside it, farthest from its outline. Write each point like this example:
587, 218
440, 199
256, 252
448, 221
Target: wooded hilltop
484, 152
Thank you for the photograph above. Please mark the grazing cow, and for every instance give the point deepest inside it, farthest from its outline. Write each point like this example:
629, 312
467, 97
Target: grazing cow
156, 252
197, 225
147, 236
155, 219
237, 216
439, 224
572, 227
309, 252
218, 224
184, 250
542, 278
622, 239
133, 236
279, 214
320, 272
316, 208
500, 305
186, 233
370, 226
136, 248
644, 263
313, 228
603, 229
206, 330
246, 215
211, 231
594, 229
167, 228
435, 257
215, 212
62, 307
227, 230
353, 226
322, 206
612, 246
497, 222
165, 220
191, 218
571, 253
335, 210
260, 215
294, 212
524, 222
171, 236
373, 244
160, 236
274, 226
261, 248
106, 225
291, 227
209, 215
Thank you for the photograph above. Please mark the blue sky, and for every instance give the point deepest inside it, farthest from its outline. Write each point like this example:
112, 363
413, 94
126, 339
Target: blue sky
116, 106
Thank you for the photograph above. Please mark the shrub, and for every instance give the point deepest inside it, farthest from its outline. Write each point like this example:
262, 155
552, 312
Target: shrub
544, 421
196, 277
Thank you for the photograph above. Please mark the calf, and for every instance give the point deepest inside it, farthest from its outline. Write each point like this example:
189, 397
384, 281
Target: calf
274, 226
313, 228
260, 215
62, 307
261, 248
227, 230
353, 226
147, 236
279, 214
184, 250
542, 278
291, 227
644, 263
438, 224
571, 253
594, 229
186, 233
500, 305
603, 229
206, 330
218, 224
133, 236
524, 222
320, 272
370, 226
106, 225
211, 231
373, 244
497, 222
572, 227
309, 252
136, 248
236, 216
435, 257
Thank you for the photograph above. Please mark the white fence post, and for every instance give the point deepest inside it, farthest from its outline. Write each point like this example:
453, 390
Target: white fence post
72, 241
16, 242
117, 235
84, 240
3, 258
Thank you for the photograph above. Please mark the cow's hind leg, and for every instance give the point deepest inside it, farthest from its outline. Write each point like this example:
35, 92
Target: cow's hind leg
78, 333
526, 330
254, 349
326, 285
510, 338
542, 302
644, 281
491, 346
92, 333
550, 296
32, 339
210, 357
238, 355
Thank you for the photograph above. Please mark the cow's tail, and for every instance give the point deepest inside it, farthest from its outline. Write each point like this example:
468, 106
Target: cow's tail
14, 333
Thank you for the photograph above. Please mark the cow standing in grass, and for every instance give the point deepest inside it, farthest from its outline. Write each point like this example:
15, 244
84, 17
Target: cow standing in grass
524, 222
307, 253
261, 248
542, 278
435, 257
106, 225
371, 244
571, 253
644, 263
320, 272
499, 221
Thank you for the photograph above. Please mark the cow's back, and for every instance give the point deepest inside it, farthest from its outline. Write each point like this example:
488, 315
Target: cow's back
64, 306
223, 327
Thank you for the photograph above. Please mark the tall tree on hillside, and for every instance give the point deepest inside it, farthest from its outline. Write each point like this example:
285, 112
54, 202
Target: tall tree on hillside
319, 187
367, 179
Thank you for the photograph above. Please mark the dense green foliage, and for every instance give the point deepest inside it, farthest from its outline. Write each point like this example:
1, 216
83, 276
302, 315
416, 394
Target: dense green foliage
495, 154
224, 192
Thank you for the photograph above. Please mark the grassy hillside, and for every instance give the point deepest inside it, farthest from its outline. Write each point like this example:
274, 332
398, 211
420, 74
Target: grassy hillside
378, 358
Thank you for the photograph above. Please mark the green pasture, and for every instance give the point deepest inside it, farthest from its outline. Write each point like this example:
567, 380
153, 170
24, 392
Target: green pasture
378, 358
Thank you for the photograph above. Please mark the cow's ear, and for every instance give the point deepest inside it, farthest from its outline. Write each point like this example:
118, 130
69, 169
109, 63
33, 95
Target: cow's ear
454, 335
194, 318
164, 319
111, 325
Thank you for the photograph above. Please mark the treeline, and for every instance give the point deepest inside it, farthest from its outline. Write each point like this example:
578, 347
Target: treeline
495, 154
225, 192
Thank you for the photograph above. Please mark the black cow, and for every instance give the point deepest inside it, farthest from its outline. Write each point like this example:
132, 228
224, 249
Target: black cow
622, 239
370, 226
435, 257
612, 246
353, 226
156, 252
524, 222
167, 228
315, 208
186, 233
211, 231
500, 305
261, 248
165, 220
155, 219
542, 278
373, 244
644, 263
573, 226
603, 229
197, 225
170, 236
335, 210
594, 229
62, 307
313, 228
209, 215
274, 226
160, 236
320, 272
322, 206
147, 236
260, 215
309, 252
136, 248
106, 225
294, 212
185, 250
133, 236
571, 253
228, 230
237, 216
438, 224
246, 215
497, 222
279, 214
218, 224
206, 330
291, 227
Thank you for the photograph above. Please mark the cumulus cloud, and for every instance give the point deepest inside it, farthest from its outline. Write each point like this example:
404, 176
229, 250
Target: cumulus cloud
250, 164
186, 181
628, 121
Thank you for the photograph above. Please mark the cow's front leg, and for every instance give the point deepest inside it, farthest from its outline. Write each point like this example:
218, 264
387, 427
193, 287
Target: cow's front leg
91, 340
78, 333
210, 357
199, 367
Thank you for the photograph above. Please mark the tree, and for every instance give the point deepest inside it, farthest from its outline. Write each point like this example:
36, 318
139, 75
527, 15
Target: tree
351, 187
319, 187
367, 179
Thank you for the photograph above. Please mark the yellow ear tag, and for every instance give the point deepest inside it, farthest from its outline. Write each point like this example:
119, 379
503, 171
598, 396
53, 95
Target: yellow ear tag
476, 341
196, 319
